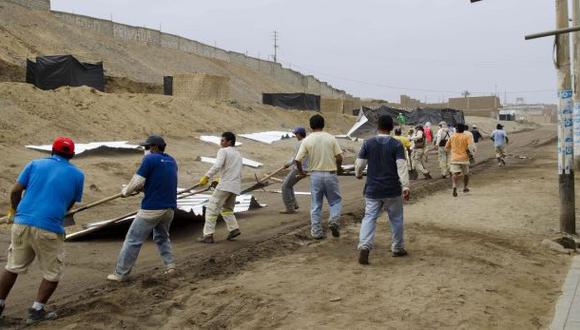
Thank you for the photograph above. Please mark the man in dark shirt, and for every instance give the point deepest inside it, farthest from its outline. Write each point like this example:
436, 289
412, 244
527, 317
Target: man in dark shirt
476, 134
387, 180
157, 177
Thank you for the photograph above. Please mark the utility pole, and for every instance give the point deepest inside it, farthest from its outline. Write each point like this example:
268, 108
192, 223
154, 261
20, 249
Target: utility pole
576, 83
565, 123
276, 46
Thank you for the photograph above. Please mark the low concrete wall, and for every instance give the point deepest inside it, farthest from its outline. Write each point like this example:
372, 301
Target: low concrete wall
156, 38
32, 4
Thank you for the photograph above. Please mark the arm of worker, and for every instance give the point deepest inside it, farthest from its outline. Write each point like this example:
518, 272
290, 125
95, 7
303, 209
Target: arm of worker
15, 198
135, 185
338, 157
472, 148
79, 186
403, 171
361, 161
219, 163
302, 153
448, 146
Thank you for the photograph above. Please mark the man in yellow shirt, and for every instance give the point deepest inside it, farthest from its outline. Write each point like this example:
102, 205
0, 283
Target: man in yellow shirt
324, 161
459, 144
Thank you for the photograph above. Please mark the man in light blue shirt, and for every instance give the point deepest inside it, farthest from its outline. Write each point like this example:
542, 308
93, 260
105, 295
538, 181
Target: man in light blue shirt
500, 140
52, 187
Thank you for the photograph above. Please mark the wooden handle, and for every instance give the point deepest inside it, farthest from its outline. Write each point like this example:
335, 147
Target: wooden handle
93, 204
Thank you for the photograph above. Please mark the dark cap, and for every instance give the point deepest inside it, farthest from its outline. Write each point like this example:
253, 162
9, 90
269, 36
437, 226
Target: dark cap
299, 130
154, 140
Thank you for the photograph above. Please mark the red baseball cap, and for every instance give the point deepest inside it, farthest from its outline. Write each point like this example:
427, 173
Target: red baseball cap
64, 145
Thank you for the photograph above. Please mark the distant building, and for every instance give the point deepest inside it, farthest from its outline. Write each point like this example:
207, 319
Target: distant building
480, 106
535, 113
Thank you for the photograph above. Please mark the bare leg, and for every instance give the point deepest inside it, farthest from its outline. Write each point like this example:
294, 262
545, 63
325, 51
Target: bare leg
45, 290
454, 180
465, 181
6, 283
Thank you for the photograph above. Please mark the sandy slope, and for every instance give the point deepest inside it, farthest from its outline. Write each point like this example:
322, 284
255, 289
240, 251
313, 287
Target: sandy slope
25, 33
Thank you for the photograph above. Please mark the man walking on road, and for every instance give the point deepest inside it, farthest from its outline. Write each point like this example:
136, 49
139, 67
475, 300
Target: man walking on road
288, 196
387, 179
157, 177
229, 166
476, 134
51, 186
441, 139
325, 161
460, 145
419, 153
500, 140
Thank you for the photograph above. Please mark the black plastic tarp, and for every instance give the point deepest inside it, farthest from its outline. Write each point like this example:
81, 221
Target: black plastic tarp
299, 101
366, 126
168, 85
51, 72
434, 116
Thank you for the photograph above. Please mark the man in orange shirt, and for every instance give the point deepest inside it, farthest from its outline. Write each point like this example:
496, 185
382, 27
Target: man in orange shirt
459, 144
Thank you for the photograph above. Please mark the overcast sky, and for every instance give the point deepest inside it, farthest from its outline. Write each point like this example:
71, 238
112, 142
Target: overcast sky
428, 49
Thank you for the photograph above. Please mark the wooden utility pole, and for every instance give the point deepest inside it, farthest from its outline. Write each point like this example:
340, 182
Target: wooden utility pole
576, 83
565, 123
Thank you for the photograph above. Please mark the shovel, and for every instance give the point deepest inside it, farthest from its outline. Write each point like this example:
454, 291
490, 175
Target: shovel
183, 194
263, 182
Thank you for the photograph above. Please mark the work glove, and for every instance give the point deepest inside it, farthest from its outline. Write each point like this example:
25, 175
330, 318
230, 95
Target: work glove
10, 215
204, 180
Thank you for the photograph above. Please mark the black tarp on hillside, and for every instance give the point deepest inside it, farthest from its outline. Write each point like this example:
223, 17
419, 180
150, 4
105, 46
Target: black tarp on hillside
299, 101
434, 116
168, 85
51, 72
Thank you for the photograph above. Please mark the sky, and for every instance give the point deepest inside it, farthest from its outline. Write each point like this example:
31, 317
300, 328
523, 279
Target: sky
427, 49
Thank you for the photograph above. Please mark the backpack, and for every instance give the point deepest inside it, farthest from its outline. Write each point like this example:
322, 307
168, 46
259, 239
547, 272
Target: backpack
443, 140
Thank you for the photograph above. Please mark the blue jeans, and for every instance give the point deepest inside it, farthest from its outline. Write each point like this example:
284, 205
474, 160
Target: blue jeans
373, 209
324, 184
141, 228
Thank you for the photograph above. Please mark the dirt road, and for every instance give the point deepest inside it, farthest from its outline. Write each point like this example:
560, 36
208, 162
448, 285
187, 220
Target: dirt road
276, 252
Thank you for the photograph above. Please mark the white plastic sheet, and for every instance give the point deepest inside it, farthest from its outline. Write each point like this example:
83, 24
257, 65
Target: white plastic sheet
268, 137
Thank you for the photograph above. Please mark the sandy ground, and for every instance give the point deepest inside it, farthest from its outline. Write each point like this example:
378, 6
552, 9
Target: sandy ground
482, 270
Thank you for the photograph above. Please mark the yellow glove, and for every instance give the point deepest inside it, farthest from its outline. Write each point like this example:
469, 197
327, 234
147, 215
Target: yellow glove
204, 180
10, 215
216, 180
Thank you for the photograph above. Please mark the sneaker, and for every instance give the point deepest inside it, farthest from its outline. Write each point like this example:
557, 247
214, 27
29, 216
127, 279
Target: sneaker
335, 229
233, 234
287, 212
399, 253
465, 190
116, 278
321, 237
171, 269
454, 192
428, 176
35, 316
363, 256
296, 207
206, 239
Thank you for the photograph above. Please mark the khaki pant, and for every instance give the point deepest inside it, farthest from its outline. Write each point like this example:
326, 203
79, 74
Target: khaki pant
459, 168
221, 202
418, 160
443, 161
500, 152
30, 242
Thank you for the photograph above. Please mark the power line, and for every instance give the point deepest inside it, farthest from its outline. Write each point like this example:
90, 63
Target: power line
401, 88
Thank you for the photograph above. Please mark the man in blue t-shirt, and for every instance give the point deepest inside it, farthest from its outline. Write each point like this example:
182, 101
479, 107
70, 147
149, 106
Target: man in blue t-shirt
387, 180
52, 186
157, 178
500, 140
